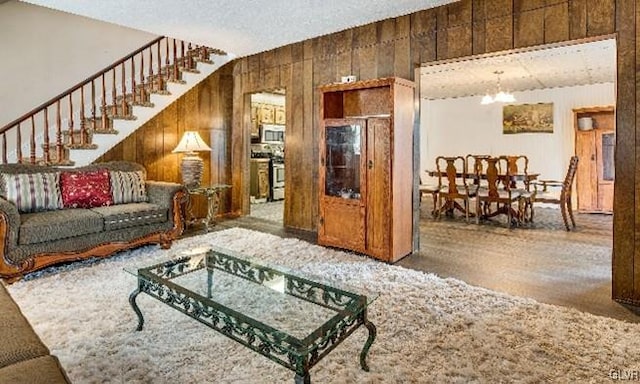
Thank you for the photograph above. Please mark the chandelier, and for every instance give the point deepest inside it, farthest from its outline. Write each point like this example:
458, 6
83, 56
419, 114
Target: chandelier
500, 96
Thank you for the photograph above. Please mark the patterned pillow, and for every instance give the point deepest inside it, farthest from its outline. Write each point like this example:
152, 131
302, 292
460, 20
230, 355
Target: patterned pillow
86, 189
128, 187
33, 192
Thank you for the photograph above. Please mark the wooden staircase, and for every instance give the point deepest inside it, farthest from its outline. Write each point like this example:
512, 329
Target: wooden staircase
82, 123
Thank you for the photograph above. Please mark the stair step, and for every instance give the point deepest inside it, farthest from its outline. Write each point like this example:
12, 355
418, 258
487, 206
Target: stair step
53, 158
97, 127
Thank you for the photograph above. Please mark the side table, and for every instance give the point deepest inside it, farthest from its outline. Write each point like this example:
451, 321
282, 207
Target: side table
212, 193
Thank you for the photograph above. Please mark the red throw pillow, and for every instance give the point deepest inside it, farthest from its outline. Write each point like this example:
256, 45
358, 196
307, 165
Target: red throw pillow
86, 189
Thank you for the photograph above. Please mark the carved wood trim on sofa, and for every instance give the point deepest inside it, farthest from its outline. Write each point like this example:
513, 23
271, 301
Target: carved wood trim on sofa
11, 272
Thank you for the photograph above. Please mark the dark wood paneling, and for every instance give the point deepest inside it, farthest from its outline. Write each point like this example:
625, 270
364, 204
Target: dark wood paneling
625, 250
205, 108
601, 16
556, 22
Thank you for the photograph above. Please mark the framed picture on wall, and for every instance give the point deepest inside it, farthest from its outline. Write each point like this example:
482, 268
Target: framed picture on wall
527, 118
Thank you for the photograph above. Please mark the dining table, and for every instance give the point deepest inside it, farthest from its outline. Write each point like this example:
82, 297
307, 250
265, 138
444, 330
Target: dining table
449, 205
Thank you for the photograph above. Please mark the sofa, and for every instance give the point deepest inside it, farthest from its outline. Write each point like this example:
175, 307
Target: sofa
52, 215
23, 356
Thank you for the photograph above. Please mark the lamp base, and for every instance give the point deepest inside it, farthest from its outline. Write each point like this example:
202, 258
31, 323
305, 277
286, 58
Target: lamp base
191, 169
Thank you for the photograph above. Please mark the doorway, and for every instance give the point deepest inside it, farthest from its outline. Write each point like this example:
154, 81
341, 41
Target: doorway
266, 162
453, 121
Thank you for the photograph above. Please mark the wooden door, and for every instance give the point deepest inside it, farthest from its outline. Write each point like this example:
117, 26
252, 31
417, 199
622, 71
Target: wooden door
341, 184
378, 199
586, 174
595, 148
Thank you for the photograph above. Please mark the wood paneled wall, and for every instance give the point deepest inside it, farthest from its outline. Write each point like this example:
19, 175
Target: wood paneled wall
395, 47
220, 106
206, 108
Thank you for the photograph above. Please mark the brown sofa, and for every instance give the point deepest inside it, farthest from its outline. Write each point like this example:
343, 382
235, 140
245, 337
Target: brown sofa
23, 356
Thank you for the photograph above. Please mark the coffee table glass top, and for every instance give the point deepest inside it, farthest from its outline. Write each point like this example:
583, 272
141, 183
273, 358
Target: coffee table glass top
266, 297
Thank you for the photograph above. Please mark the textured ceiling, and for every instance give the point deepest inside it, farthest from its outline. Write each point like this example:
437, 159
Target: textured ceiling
241, 27
558, 66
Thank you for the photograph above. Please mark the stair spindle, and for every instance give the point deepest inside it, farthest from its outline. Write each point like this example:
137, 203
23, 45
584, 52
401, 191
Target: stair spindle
114, 101
103, 113
70, 122
58, 132
45, 146
125, 106
160, 79
4, 146
189, 57
150, 78
93, 104
133, 82
83, 125
18, 145
32, 141
176, 74
182, 53
143, 86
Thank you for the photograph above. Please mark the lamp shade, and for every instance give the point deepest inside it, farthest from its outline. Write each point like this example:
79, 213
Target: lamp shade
191, 142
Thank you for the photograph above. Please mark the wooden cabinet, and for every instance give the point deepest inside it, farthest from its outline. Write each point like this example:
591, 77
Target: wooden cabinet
259, 185
366, 167
595, 148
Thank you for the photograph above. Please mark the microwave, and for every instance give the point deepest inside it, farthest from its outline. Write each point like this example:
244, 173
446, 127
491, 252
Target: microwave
272, 134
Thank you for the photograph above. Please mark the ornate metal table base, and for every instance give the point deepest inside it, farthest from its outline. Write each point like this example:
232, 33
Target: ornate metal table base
212, 193
297, 354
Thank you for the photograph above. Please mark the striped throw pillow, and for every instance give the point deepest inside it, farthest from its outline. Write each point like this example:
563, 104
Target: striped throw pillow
33, 192
128, 187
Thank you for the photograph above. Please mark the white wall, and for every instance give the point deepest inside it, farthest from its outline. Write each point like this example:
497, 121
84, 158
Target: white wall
461, 126
45, 52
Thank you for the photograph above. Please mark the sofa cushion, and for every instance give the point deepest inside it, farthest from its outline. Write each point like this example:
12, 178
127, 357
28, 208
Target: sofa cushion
40, 370
19, 341
54, 225
128, 187
32, 192
86, 189
131, 215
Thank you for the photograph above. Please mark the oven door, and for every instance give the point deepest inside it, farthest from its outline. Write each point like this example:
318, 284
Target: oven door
277, 176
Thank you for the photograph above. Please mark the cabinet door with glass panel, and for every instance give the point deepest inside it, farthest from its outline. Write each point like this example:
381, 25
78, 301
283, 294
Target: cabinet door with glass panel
342, 183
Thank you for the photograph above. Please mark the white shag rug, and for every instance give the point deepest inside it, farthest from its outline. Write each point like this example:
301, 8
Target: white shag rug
429, 329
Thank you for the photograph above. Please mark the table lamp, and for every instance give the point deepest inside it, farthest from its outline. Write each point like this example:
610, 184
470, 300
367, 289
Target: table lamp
191, 166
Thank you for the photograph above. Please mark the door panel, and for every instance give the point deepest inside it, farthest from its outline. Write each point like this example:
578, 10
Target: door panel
378, 186
605, 149
341, 185
586, 176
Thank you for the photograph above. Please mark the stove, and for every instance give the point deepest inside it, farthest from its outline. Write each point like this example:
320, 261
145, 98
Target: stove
275, 153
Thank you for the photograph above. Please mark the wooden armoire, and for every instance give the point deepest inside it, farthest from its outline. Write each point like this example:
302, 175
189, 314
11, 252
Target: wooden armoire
595, 147
366, 167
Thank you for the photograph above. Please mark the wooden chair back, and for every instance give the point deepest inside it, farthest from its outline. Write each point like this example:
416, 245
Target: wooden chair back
516, 164
494, 176
568, 179
452, 175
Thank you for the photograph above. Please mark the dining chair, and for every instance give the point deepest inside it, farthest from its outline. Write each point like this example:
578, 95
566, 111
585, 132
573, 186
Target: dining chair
518, 166
429, 189
452, 185
498, 191
474, 167
564, 199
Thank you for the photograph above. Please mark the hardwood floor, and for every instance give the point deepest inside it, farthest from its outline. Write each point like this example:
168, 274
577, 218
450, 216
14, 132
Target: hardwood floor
541, 261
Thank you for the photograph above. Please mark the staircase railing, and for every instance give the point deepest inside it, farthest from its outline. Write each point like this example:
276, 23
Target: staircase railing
109, 94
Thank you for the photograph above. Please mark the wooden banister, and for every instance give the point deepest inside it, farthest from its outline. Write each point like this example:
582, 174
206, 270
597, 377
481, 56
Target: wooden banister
76, 87
81, 126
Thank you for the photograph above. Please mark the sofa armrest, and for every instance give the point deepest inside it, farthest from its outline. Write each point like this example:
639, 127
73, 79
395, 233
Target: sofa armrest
162, 192
10, 224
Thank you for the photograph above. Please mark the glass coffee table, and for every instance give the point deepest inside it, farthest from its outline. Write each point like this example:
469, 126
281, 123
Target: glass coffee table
292, 320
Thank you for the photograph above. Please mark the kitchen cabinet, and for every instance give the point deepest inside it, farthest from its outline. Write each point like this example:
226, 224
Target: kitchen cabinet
366, 167
259, 184
595, 148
